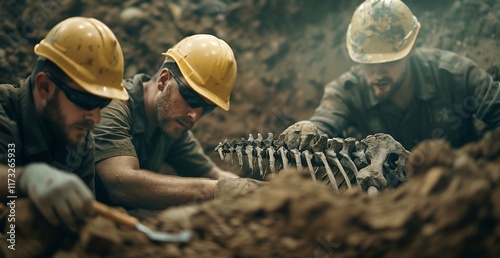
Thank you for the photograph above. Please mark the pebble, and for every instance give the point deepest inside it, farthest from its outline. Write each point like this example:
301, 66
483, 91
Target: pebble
132, 17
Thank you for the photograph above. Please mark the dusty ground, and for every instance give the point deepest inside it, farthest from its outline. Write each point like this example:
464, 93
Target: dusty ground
449, 208
286, 52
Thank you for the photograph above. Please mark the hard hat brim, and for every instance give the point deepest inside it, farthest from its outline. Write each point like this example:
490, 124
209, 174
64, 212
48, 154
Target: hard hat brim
204, 92
382, 57
103, 91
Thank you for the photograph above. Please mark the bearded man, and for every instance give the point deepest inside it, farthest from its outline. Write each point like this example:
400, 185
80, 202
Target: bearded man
46, 147
411, 93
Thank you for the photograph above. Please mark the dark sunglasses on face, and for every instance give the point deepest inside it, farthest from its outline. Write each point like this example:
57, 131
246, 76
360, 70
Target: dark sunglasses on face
84, 100
193, 99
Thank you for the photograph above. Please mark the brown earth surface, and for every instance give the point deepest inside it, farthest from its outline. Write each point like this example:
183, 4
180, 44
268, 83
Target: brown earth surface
287, 50
449, 208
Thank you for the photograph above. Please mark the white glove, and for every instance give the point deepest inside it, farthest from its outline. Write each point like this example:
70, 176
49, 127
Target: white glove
58, 195
233, 186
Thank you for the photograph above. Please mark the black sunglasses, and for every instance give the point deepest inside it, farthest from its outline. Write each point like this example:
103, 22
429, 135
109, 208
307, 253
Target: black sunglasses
84, 100
193, 99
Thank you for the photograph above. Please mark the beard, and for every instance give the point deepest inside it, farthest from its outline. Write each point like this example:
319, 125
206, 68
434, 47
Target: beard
54, 122
170, 126
173, 126
389, 82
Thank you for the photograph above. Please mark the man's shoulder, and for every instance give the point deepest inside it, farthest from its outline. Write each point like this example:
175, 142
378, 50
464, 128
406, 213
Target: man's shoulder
135, 87
444, 59
8, 94
9, 102
9, 113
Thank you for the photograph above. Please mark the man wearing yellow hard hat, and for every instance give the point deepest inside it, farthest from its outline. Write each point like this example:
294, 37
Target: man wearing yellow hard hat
410, 93
46, 145
137, 136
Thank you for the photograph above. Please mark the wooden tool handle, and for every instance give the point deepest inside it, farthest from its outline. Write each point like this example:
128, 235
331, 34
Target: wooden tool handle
114, 214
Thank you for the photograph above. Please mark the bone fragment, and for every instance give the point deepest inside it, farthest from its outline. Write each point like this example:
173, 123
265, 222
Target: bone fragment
268, 142
372, 191
349, 146
330, 153
282, 151
232, 148
239, 152
306, 142
309, 156
220, 150
259, 151
293, 145
249, 151
329, 172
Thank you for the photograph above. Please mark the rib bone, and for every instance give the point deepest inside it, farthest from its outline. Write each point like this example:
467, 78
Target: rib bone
305, 146
219, 150
293, 145
232, 148
249, 151
259, 151
333, 144
239, 152
282, 151
268, 143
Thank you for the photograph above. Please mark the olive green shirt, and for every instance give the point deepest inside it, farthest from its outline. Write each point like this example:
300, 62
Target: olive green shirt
450, 92
21, 128
123, 132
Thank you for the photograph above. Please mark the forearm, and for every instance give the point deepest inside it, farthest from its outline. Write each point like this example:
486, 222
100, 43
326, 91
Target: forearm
149, 190
216, 173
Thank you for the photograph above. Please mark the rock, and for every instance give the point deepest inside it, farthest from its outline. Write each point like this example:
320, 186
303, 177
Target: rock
100, 236
132, 18
34, 236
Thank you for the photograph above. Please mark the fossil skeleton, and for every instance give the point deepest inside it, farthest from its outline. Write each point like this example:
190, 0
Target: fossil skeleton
374, 163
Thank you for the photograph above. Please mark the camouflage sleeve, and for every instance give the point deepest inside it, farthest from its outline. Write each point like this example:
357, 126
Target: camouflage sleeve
331, 115
188, 158
112, 134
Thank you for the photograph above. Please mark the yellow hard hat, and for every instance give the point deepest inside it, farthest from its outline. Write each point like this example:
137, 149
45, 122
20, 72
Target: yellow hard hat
381, 31
208, 65
89, 53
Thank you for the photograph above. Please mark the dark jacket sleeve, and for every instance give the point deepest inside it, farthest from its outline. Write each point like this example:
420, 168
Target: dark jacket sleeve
332, 114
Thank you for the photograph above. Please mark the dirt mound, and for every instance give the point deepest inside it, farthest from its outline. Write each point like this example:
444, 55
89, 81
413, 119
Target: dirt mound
449, 208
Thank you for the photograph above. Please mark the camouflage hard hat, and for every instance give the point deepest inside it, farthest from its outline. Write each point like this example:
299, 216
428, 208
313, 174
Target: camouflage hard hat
381, 31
